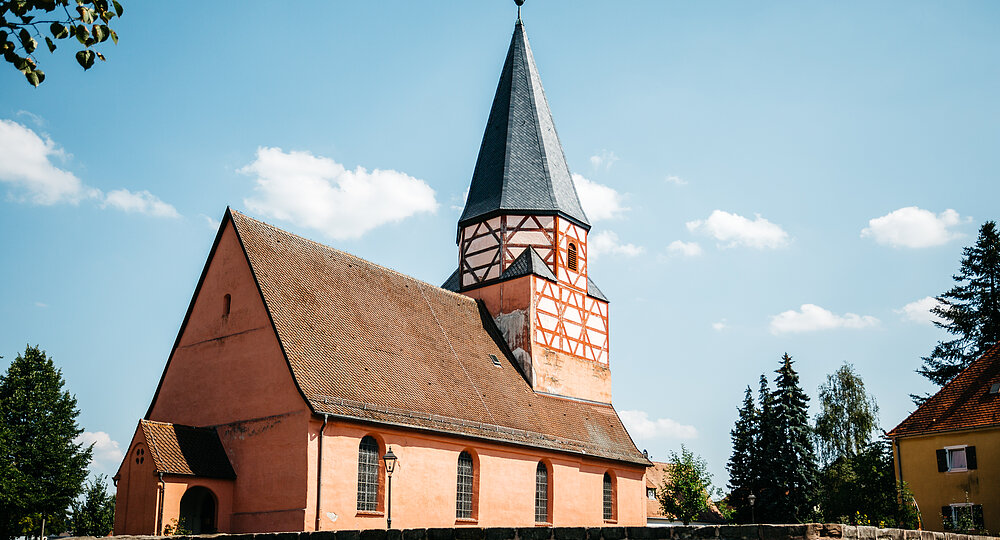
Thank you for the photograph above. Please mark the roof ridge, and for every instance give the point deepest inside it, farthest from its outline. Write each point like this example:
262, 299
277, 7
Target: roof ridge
351, 256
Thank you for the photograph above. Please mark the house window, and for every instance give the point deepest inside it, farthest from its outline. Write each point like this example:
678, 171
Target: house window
463, 504
609, 498
541, 493
572, 258
956, 458
651, 494
368, 475
963, 517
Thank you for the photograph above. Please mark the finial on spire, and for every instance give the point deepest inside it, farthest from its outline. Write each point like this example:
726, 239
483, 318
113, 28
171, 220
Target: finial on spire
519, 4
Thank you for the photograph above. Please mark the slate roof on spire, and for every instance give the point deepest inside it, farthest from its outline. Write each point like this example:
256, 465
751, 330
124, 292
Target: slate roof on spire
521, 165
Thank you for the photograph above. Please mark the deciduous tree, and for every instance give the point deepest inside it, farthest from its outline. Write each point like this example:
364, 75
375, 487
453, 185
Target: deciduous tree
848, 415
95, 514
685, 489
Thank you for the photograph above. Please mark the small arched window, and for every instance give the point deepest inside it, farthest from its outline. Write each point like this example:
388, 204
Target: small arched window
541, 493
227, 304
368, 476
609, 498
463, 504
572, 257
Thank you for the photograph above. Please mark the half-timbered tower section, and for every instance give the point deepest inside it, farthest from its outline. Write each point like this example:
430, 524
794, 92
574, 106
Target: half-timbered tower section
523, 241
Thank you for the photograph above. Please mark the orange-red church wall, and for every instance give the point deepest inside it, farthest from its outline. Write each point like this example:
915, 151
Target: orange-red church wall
136, 497
174, 487
424, 488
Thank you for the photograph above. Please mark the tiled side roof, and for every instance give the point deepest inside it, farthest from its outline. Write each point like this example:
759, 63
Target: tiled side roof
369, 343
528, 262
521, 165
187, 450
964, 403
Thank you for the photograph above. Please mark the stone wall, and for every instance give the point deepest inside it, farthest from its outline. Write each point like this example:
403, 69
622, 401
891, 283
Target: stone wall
809, 531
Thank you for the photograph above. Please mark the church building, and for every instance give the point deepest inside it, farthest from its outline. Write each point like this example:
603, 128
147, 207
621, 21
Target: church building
309, 389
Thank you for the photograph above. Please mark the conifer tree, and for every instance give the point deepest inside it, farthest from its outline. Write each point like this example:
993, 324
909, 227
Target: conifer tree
742, 464
788, 472
45, 467
969, 310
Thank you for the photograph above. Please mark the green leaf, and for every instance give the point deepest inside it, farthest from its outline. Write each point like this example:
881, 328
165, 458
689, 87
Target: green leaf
52, 46
35, 77
101, 56
114, 37
82, 34
86, 14
85, 58
59, 31
118, 7
100, 32
31, 45
27, 18
24, 36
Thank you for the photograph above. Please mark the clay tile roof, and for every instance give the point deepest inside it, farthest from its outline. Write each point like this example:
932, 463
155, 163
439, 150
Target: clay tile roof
963, 403
187, 450
365, 342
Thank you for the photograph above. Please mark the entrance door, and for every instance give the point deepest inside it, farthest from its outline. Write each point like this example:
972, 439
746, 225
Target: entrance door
198, 511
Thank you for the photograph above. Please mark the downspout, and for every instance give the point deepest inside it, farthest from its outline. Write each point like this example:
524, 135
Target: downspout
159, 517
319, 469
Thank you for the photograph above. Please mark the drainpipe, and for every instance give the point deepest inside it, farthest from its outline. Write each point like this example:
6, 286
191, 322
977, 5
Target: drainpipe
159, 517
319, 469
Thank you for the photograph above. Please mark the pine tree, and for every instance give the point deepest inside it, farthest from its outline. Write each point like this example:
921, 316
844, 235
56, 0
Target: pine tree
969, 310
764, 486
742, 465
789, 476
45, 467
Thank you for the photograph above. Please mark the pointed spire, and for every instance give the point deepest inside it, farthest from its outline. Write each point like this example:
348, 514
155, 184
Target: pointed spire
521, 165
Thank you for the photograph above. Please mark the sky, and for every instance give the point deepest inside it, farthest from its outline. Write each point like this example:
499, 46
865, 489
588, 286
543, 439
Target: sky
762, 178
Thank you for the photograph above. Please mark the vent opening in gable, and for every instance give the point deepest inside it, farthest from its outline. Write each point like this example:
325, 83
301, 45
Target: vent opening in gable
496, 361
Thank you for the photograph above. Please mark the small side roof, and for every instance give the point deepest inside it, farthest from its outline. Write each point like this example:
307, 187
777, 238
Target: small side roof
963, 403
186, 450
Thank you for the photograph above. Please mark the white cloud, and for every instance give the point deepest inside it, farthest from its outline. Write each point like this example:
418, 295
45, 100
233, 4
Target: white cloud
25, 163
211, 222
35, 119
603, 158
913, 227
107, 454
640, 426
720, 326
606, 242
598, 201
685, 249
141, 202
735, 230
919, 311
675, 180
811, 317
41, 304
319, 193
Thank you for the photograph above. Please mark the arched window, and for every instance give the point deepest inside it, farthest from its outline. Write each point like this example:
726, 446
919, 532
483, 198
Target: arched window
572, 258
609, 498
368, 476
227, 304
541, 493
463, 504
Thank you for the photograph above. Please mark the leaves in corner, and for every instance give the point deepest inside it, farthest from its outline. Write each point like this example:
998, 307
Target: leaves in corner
85, 58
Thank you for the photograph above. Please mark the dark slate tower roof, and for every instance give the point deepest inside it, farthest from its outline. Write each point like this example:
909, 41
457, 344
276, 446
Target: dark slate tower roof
521, 165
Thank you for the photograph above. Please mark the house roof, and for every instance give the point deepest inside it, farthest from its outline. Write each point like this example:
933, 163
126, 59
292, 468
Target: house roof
521, 165
365, 342
963, 403
193, 451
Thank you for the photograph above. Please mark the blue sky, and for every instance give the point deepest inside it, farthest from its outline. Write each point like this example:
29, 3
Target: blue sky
761, 178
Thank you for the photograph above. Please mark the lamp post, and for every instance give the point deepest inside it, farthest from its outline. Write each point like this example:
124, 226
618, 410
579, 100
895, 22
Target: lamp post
752, 498
390, 464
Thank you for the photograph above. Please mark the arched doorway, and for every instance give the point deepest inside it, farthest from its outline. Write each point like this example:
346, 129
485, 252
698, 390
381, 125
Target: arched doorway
198, 511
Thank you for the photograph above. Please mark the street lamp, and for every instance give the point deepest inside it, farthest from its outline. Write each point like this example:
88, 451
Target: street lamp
752, 498
390, 464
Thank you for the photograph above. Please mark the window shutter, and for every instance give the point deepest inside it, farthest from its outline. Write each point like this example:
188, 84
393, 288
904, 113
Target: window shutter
970, 457
942, 459
977, 516
946, 516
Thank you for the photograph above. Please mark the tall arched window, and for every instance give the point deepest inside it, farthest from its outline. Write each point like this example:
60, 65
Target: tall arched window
368, 476
609, 498
541, 493
463, 504
572, 257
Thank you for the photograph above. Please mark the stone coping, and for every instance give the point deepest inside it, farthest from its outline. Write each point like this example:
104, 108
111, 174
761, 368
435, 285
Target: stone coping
806, 531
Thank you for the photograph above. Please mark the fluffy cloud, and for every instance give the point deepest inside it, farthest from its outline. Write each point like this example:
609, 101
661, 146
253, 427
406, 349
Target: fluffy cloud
913, 227
684, 249
720, 326
107, 452
321, 194
735, 230
675, 180
25, 163
142, 202
606, 242
811, 317
640, 426
598, 201
919, 311
604, 158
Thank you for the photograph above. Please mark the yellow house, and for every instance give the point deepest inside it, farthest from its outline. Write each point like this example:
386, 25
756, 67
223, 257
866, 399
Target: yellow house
948, 450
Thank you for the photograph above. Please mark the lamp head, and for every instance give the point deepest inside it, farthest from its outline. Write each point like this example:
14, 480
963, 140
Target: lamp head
390, 461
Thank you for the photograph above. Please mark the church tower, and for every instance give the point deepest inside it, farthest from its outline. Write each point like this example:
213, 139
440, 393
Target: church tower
522, 241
